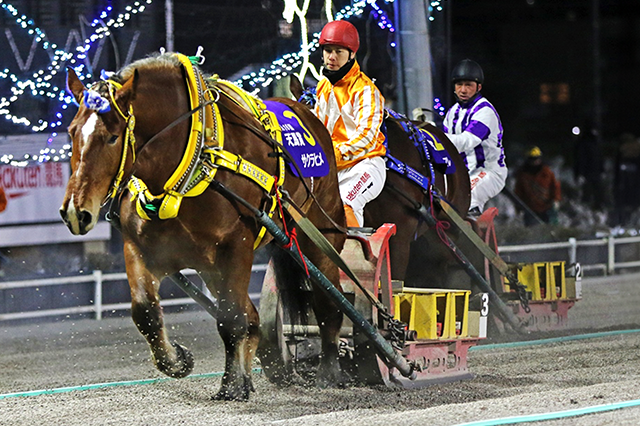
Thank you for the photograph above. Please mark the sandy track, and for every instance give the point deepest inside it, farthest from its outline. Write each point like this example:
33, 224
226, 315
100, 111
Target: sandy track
509, 381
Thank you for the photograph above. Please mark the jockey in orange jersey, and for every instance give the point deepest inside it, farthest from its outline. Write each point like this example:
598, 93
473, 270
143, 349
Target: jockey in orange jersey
352, 109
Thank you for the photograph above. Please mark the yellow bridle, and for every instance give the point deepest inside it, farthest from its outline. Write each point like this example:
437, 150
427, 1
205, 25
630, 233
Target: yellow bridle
204, 152
129, 138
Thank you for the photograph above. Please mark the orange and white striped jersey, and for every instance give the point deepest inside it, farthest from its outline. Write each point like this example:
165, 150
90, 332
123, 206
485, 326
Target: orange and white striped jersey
352, 110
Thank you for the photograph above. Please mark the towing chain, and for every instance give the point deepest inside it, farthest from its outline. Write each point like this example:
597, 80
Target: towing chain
520, 289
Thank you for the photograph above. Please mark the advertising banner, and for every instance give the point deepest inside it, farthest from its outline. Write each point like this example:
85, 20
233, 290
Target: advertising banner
30, 200
34, 193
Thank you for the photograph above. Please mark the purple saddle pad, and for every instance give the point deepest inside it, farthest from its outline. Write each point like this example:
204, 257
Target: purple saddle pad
299, 143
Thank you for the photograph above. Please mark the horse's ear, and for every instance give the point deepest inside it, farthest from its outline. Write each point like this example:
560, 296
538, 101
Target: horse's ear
74, 85
127, 92
295, 86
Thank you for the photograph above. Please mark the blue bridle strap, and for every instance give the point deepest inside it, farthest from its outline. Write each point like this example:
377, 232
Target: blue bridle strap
420, 142
408, 172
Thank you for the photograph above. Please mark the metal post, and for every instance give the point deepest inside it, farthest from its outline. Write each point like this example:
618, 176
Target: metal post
415, 88
573, 250
401, 103
449, 65
168, 19
97, 298
597, 73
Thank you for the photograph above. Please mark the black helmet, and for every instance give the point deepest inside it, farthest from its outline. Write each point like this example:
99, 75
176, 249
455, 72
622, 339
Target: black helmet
467, 70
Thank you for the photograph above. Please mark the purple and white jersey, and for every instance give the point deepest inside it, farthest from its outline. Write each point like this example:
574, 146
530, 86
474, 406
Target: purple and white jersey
476, 131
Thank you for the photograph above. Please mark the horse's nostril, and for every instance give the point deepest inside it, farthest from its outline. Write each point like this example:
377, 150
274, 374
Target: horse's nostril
63, 215
84, 218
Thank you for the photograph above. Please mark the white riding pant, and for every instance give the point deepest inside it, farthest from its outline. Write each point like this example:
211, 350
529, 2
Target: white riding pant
361, 183
486, 184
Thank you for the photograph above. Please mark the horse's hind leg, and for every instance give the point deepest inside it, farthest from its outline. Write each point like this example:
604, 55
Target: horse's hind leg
238, 322
173, 360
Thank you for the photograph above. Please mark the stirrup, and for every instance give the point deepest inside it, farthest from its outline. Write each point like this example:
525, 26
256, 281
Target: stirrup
353, 231
474, 213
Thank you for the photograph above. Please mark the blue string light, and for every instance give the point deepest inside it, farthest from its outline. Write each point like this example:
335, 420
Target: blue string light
435, 6
438, 107
285, 65
41, 86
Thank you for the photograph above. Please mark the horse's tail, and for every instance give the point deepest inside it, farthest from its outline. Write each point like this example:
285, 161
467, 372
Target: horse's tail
294, 287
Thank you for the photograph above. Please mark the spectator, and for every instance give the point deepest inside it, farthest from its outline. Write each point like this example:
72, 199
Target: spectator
589, 165
538, 188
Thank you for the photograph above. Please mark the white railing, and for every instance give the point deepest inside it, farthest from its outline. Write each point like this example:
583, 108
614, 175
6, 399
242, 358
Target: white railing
97, 307
572, 246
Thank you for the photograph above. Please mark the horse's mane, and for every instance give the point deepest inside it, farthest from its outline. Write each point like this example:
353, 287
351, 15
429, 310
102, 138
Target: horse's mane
153, 61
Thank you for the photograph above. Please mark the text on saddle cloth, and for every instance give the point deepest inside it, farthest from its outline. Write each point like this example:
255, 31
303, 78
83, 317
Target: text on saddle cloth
298, 142
439, 154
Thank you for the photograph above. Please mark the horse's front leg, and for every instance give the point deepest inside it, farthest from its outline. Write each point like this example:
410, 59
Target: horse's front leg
173, 360
329, 319
238, 322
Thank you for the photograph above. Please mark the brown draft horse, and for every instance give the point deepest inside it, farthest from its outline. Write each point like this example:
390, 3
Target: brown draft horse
418, 257
211, 234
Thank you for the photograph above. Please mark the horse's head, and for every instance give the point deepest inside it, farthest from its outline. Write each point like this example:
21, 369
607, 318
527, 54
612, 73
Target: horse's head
97, 133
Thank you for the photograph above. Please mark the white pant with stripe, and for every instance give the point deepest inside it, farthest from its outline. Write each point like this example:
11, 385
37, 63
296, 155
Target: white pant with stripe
362, 183
486, 184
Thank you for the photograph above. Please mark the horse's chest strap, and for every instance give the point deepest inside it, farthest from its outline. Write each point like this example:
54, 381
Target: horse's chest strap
235, 163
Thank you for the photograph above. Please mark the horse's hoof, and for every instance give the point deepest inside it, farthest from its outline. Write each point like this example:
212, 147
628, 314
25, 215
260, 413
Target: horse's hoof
324, 382
235, 390
226, 395
329, 378
185, 362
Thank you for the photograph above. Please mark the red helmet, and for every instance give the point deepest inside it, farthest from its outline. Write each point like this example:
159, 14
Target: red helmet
340, 33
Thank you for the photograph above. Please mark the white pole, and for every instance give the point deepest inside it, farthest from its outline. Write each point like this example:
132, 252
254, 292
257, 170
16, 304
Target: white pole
611, 254
414, 63
573, 249
97, 296
168, 17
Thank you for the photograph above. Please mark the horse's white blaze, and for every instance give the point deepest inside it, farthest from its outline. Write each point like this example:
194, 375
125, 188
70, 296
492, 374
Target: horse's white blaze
72, 217
87, 129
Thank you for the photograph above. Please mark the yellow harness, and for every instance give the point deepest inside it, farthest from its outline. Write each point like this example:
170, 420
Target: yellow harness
204, 153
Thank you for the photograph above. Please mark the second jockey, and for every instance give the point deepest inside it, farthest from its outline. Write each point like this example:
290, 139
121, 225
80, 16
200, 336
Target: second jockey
473, 126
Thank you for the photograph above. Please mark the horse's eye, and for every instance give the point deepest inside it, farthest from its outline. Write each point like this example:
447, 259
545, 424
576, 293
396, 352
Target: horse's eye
113, 140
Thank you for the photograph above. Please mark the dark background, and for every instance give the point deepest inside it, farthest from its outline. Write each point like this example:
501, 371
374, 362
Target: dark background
540, 57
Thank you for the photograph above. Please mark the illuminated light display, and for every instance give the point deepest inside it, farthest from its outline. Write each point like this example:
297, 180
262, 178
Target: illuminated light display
40, 84
286, 65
